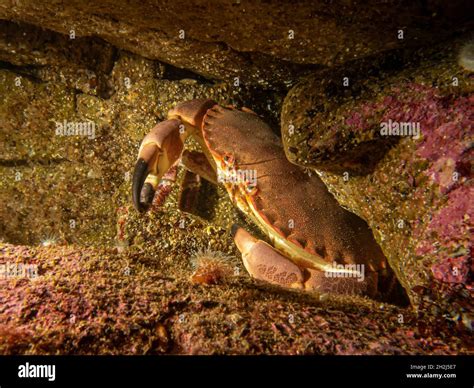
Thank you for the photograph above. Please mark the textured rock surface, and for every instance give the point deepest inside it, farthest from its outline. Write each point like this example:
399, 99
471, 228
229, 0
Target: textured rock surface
258, 42
88, 301
68, 188
416, 194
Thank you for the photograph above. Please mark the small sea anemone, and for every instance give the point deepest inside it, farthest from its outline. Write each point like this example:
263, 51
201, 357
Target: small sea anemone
48, 240
466, 56
212, 267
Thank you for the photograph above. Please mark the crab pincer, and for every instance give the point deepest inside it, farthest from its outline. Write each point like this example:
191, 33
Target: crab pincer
159, 150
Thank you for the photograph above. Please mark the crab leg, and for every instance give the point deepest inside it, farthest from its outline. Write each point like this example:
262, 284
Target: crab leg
198, 163
189, 192
265, 263
164, 187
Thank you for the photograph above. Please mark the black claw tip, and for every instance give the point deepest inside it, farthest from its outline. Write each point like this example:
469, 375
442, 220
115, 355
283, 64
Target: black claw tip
139, 175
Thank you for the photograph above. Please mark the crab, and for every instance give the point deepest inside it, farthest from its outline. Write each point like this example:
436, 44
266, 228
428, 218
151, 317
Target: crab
316, 245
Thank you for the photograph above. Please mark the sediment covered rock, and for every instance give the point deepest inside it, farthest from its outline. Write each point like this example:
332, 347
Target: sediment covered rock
268, 44
72, 117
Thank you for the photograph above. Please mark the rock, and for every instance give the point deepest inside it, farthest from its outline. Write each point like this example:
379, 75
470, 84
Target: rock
261, 43
415, 191
84, 302
66, 186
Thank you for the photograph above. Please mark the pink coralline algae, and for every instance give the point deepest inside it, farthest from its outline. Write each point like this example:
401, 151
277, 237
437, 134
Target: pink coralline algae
455, 219
443, 154
452, 270
451, 228
406, 103
449, 146
437, 116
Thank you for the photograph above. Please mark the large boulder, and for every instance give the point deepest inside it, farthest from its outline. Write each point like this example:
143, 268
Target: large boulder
412, 183
261, 43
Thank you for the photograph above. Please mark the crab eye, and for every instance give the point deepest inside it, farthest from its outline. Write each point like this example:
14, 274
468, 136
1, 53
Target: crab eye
251, 189
228, 159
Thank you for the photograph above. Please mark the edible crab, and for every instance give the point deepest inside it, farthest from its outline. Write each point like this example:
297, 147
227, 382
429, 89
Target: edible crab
317, 244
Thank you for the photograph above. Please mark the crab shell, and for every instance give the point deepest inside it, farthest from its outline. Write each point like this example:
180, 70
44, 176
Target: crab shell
294, 209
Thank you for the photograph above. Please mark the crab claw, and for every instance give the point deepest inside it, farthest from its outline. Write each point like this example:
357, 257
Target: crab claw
264, 262
159, 150
162, 147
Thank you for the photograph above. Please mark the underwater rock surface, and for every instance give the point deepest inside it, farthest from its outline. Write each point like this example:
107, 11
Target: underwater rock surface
261, 43
68, 188
415, 189
98, 301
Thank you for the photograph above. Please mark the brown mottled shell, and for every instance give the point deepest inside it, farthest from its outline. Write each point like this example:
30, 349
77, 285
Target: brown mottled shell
286, 195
